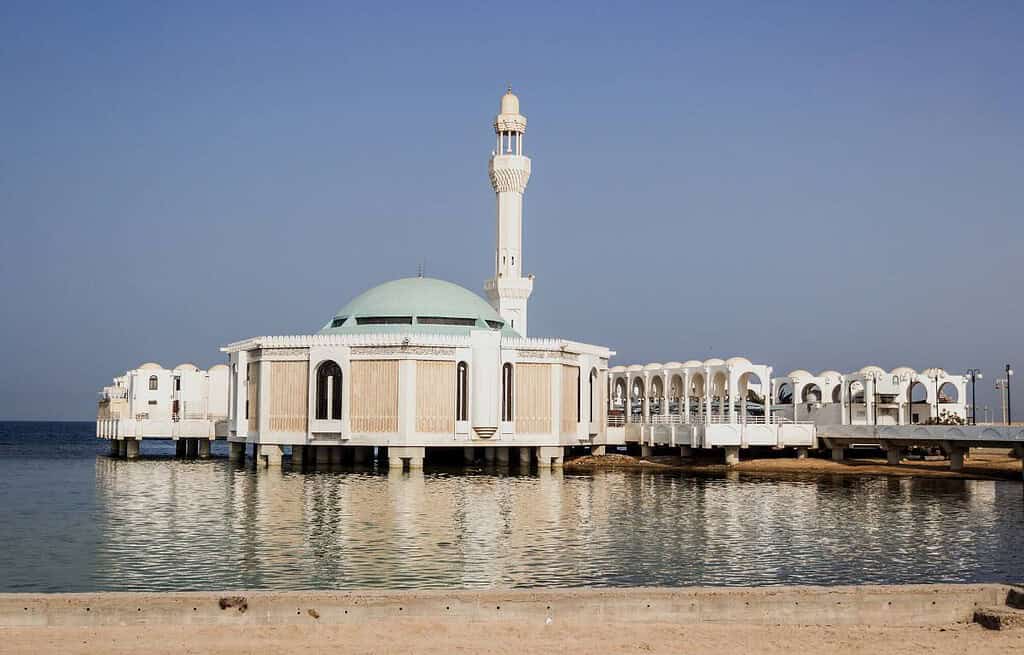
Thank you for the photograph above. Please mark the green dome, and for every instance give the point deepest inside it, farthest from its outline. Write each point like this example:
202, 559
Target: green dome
419, 305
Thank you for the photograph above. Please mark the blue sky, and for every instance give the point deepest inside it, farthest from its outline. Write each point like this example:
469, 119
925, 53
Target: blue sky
811, 185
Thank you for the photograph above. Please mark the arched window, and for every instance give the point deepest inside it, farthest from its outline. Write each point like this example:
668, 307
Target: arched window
506, 392
328, 391
462, 392
153, 383
593, 376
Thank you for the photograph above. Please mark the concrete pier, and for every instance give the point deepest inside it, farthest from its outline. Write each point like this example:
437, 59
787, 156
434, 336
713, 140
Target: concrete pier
686, 452
132, 448
489, 455
335, 456
501, 456
732, 455
360, 455
525, 458
646, 451
191, 447
893, 455
204, 448
122, 448
179, 448
956, 459
838, 453
298, 458
323, 455
270, 455
550, 457
468, 455
405, 457
236, 452
115, 448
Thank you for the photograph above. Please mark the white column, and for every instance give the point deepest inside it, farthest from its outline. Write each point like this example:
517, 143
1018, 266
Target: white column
684, 405
730, 391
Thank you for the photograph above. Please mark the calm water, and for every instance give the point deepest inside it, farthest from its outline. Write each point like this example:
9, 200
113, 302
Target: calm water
72, 519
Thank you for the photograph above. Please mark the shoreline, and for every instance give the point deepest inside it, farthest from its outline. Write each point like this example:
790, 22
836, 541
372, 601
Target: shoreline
721, 620
983, 464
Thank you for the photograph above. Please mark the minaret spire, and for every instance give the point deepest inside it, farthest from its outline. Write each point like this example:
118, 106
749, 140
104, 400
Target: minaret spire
509, 171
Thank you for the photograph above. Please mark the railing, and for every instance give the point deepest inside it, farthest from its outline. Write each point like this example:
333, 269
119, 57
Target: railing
616, 421
666, 419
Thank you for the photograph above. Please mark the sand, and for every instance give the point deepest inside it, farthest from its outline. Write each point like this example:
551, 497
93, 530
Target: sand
426, 636
983, 464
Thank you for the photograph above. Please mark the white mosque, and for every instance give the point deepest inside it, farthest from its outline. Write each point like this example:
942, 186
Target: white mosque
420, 363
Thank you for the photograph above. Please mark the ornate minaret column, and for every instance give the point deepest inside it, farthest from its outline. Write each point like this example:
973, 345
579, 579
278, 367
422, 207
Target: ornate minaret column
509, 170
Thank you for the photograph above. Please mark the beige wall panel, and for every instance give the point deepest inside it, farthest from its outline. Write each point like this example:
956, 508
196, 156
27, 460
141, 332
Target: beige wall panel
253, 396
289, 388
374, 396
435, 397
533, 398
570, 382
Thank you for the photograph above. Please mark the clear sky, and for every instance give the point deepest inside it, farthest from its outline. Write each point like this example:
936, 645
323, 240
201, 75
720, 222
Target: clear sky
809, 186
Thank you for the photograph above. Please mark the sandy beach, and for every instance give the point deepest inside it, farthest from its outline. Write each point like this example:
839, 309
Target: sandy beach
423, 636
797, 620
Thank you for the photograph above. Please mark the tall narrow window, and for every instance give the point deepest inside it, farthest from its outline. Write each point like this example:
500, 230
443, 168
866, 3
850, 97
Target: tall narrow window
328, 391
579, 398
462, 392
177, 383
153, 383
593, 374
506, 392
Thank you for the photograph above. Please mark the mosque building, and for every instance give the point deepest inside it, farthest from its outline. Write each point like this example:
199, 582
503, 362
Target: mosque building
420, 362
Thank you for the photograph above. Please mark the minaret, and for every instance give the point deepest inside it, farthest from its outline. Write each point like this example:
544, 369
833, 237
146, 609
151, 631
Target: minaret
509, 170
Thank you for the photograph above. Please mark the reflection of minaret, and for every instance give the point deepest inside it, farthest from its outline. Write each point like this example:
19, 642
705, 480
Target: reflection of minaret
509, 170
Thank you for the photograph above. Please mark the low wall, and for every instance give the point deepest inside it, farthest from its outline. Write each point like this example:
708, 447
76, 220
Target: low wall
875, 605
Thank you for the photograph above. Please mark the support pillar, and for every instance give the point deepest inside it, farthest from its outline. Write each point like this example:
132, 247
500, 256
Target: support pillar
894, 454
732, 455
236, 451
646, 451
956, 459
114, 448
598, 450
191, 447
270, 455
468, 455
204, 448
686, 452
489, 455
550, 456
179, 448
335, 455
360, 455
801, 453
132, 448
323, 455
501, 455
122, 448
838, 453
525, 458
401, 457
298, 458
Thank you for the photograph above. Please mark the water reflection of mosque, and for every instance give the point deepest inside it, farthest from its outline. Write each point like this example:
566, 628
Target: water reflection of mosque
181, 525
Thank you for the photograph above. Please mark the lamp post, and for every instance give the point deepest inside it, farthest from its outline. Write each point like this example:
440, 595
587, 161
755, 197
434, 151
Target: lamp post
975, 375
1009, 411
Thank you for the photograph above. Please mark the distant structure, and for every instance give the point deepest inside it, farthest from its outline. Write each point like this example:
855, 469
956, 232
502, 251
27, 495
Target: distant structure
184, 404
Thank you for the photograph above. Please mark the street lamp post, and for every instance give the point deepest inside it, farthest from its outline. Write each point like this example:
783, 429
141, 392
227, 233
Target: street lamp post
975, 375
1009, 411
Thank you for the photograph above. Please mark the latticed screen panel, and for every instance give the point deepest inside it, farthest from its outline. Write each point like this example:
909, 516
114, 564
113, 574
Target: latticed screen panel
289, 392
533, 398
435, 397
374, 396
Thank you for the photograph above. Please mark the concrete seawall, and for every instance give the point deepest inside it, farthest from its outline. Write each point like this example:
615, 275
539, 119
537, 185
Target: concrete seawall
909, 605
